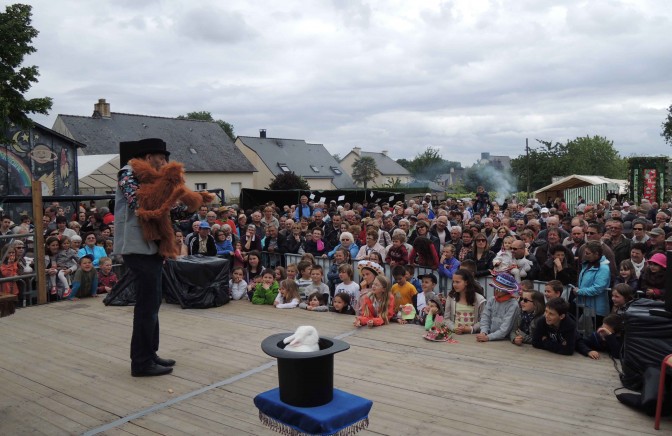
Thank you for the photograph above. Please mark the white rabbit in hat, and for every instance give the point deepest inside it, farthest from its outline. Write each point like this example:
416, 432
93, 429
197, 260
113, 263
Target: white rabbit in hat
304, 339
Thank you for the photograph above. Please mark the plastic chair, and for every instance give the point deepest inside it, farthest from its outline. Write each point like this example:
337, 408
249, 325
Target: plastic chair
667, 361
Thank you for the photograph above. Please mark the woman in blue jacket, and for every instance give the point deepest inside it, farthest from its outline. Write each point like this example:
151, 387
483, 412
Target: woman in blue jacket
92, 249
347, 242
594, 280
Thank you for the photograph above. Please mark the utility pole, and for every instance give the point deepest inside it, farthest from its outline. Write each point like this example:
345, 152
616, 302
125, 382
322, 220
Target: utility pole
527, 154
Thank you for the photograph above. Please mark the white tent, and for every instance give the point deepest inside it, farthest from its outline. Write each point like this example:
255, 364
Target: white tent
98, 173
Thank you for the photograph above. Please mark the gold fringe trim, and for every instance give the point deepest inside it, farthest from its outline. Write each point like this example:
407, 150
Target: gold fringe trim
287, 430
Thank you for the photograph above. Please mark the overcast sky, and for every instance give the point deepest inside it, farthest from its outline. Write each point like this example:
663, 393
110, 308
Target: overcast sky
464, 76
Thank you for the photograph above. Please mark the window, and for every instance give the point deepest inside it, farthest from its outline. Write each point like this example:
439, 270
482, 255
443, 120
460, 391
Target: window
336, 171
236, 187
192, 150
201, 186
314, 168
284, 167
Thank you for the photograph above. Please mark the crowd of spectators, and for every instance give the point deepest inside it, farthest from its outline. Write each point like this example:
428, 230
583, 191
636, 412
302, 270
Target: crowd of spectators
601, 245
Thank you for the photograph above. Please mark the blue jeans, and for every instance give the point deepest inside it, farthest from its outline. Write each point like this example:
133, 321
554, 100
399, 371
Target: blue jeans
148, 270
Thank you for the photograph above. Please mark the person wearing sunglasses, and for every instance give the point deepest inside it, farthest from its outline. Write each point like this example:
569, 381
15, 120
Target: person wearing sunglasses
639, 233
532, 307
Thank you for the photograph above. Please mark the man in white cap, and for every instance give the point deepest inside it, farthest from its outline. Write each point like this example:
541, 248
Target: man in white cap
543, 216
428, 199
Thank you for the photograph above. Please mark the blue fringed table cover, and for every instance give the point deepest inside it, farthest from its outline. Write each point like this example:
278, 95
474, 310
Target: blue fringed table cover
346, 414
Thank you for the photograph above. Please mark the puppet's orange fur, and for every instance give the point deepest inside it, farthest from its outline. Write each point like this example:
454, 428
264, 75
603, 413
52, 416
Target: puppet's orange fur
159, 191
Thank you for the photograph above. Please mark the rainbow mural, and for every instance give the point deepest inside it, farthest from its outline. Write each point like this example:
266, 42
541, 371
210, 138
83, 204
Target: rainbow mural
19, 175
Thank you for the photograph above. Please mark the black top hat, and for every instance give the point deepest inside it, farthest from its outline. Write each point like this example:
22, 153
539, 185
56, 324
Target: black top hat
130, 149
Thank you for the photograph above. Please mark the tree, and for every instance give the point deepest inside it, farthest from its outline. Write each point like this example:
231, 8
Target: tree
667, 126
364, 170
584, 155
207, 116
16, 35
428, 165
405, 163
336, 156
290, 180
392, 183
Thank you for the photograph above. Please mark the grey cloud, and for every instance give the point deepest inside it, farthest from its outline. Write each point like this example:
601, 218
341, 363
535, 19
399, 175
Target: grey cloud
354, 13
214, 25
380, 75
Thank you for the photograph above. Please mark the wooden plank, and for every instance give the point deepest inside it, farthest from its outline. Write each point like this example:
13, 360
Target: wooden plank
66, 370
40, 267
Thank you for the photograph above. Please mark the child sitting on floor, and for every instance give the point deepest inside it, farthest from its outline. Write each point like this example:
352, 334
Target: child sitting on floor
556, 331
532, 308
315, 302
527, 285
434, 311
85, 281
9, 268
280, 274
266, 291
316, 284
237, 286
553, 289
464, 305
341, 304
304, 279
427, 291
66, 261
415, 281
404, 292
253, 272
377, 306
292, 271
622, 295
609, 337
288, 295
368, 271
106, 278
348, 286
500, 310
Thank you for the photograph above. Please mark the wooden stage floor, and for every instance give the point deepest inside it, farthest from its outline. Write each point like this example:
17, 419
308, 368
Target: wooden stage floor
64, 369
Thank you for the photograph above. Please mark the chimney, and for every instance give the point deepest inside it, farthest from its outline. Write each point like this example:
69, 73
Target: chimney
384, 152
357, 151
262, 133
101, 109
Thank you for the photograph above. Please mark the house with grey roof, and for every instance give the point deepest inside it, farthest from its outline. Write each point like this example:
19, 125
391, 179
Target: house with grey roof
388, 168
454, 177
210, 158
273, 156
500, 163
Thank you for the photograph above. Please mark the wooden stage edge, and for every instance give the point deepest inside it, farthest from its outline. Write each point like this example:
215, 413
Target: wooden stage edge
64, 369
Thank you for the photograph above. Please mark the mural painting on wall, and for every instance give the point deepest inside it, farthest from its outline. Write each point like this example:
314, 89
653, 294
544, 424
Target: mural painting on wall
36, 154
